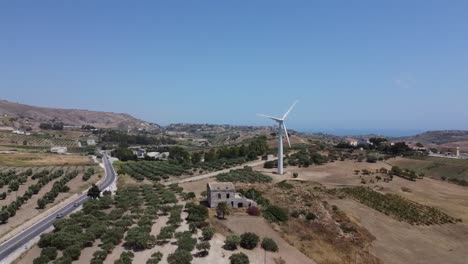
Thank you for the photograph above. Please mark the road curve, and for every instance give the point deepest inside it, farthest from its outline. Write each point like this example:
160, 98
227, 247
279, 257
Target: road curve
18, 241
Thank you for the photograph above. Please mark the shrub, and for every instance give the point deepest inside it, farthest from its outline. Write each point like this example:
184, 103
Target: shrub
276, 214
269, 244
347, 228
73, 252
49, 252
204, 247
295, 175
185, 241
180, 257
125, 258
41, 260
253, 210
207, 233
311, 216
239, 258
295, 214
231, 242
284, 185
155, 258
249, 240
371, 159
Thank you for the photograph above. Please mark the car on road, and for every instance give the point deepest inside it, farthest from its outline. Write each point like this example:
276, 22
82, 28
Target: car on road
76, 204
59, 215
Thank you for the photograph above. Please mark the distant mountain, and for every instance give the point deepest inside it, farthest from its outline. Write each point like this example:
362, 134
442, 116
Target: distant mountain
23, 116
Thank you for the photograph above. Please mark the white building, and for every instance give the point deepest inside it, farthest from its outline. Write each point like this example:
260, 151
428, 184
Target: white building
351, 141
58, 150
18, 132
158, 155
91, 142
218, 192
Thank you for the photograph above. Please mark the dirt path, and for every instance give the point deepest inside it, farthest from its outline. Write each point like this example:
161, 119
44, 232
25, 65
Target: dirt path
214, 173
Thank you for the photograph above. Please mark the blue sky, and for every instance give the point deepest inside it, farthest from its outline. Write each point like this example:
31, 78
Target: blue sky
354, 65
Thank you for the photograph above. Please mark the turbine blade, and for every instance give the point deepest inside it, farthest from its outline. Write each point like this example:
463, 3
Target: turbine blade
271, 117
286, 133
290, 108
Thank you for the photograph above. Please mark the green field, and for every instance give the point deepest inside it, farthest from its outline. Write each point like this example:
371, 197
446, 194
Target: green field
434, 167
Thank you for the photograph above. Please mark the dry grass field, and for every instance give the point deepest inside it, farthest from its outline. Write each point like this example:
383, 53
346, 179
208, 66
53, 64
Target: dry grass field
43, 159
434, 167
399, 242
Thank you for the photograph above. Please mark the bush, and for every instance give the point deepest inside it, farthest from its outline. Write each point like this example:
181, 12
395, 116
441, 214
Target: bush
239, 258
249, 240
180, 257
207, 233
73, 252
311, 216
253, 210
125, 258
269, 244
231, 242
41, 260
371, 159
204, 247
276, 214
49, 252
185, 241
155, 258
295, 214
295, 175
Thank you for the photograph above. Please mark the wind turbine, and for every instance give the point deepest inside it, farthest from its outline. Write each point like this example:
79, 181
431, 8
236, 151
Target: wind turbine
281, 127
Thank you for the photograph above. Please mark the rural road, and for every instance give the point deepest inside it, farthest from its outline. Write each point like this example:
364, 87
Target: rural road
16, 242
214, 173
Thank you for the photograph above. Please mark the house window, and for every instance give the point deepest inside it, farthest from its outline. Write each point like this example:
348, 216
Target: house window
227, 196
219, 196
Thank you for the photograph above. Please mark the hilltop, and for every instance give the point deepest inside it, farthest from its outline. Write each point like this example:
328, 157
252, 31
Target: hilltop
441, 139
21, 116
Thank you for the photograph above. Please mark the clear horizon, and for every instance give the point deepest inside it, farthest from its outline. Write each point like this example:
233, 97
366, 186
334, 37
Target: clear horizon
395, 66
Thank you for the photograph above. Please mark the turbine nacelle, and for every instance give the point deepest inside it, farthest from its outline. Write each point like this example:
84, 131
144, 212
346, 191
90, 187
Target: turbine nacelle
280, 121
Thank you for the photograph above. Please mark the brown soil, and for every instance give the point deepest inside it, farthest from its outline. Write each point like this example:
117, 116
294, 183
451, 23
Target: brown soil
398, 242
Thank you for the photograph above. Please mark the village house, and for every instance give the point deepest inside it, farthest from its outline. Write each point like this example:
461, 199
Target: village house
218, 192
58, 150
351, 141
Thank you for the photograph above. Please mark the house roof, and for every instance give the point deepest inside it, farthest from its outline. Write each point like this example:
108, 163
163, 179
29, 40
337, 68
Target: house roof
350, 140
221, 186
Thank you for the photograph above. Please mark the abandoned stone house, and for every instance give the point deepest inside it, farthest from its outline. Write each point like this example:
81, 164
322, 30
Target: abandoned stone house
218, 192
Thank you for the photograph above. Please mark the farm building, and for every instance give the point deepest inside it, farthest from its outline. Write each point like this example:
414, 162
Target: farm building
351, 141
218, 192
158, 155
58, 150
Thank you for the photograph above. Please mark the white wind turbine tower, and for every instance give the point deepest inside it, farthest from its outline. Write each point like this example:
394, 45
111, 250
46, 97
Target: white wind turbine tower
281, 127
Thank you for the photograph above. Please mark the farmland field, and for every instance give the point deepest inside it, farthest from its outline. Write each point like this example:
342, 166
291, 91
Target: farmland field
35, 140
247, 174
43, 159
157, 170
25, 192
435, 167
142, 224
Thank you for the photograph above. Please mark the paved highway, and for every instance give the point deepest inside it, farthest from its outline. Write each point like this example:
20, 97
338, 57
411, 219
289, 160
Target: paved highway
26, 235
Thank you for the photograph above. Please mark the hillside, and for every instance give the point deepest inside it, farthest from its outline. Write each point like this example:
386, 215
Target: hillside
23, 116
442, 139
